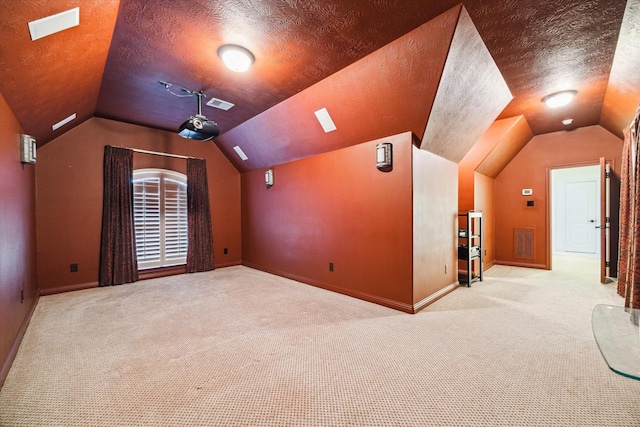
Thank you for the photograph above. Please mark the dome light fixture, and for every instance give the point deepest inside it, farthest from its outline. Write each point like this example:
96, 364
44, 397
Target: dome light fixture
236, 58
559, 99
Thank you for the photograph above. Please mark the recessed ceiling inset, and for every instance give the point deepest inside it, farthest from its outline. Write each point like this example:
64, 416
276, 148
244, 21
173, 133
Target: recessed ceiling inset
325, 120
55, 23
63, 122
240, 153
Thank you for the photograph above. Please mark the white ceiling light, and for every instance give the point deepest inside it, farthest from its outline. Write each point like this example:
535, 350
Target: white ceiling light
235, 57
559, 99
55, 23
567, 122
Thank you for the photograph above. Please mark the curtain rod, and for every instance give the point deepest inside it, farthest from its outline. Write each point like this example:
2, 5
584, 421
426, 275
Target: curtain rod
157, 153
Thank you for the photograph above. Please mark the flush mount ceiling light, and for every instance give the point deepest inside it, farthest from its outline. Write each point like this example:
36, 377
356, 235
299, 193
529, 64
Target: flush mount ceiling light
236, 58
559, 99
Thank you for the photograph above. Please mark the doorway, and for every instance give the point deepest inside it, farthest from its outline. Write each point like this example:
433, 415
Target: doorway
575, 218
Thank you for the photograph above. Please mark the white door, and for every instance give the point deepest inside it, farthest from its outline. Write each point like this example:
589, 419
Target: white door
575, 202
581, 216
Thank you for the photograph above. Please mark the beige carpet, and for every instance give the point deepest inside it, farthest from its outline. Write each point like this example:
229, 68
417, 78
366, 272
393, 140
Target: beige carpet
239, 347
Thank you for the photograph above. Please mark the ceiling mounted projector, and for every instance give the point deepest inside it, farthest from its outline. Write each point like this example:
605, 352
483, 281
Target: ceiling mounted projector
198, 127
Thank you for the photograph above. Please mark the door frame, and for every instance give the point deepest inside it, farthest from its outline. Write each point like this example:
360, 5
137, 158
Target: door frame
549, 168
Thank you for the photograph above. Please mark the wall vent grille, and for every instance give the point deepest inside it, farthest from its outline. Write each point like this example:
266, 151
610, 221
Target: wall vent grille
523, 239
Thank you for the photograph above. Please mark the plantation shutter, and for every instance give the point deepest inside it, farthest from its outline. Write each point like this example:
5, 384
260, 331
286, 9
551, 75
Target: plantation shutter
175, 222
146, 212
160, 217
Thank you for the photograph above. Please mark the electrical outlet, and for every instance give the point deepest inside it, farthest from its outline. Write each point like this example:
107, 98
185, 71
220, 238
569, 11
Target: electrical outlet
73, 268
226, 251
446, 269
331, 266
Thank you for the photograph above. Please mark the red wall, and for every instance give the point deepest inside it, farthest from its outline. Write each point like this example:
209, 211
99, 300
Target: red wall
69, 201
529, 169
435, 207
17, 239
336, 208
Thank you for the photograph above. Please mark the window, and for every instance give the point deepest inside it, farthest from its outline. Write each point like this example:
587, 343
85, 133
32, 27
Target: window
160, 217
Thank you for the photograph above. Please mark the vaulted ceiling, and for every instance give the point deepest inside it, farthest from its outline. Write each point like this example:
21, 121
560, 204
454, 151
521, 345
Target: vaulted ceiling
109, 66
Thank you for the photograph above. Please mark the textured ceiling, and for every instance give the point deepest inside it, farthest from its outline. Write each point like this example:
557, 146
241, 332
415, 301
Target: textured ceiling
623, 92
471, 94
109, 65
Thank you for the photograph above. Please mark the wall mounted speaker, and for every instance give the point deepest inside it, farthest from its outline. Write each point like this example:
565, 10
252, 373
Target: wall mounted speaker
268, 178
384, 160
27, 149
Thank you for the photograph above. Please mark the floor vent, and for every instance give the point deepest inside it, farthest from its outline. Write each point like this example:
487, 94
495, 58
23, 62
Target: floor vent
523, 243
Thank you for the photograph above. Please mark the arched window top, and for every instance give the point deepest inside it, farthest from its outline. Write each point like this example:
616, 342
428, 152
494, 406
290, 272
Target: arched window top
155, 172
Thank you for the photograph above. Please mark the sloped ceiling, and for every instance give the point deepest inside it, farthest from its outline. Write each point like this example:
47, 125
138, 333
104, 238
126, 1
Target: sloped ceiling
502, 141
470, 95
47, 80
387, 92
110, 64
623, 93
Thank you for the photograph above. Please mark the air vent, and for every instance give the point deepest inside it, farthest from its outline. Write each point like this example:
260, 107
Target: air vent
55, 23
219, 103
523, 243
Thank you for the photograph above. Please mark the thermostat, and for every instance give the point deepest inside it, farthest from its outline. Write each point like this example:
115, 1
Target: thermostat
527, 191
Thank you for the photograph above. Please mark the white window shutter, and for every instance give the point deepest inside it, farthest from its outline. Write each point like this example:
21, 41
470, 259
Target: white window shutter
146, 211
175, 222
160, 216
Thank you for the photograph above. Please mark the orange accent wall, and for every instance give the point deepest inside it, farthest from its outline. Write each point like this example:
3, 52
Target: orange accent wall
529, 169
388, 235
435, 208
477, 170
17, 239
69, 201
484, 199
335, 208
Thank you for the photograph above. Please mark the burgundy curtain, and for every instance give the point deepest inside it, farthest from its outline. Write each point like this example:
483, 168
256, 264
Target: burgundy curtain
118, 262
629, 250
200, 250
